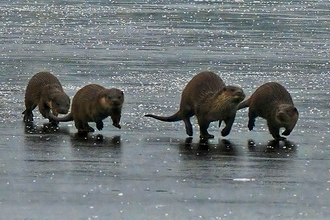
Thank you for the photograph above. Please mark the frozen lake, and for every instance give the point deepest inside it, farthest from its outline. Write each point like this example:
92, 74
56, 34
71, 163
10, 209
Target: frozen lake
150, 169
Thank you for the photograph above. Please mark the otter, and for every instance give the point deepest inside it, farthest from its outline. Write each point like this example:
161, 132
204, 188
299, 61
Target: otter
207, 97
45, 91
93, 103
272, 102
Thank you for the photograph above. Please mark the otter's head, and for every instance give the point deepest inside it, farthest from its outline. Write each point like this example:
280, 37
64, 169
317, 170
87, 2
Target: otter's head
287, 117
112, 98
60, 103
233, 92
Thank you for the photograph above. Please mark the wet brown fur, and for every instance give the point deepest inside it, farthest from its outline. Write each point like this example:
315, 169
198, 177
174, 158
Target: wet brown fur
207, 97
45, 91
272, 102
93, 103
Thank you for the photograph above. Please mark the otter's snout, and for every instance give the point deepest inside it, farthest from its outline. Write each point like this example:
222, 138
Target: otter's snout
116, 102
62, 111
240, 95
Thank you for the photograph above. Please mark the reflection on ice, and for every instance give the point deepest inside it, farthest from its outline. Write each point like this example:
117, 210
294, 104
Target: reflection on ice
46, 128
204, 149
95, 140
273, 148
48, 131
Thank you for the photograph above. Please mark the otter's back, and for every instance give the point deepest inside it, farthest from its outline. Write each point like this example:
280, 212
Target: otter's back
41, 79
272, 92
87, 93
202, 85
84, 98
38, 82
269, 95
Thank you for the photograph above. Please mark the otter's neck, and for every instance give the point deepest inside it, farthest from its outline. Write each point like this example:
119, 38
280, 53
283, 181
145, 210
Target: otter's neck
221, 103
51, 90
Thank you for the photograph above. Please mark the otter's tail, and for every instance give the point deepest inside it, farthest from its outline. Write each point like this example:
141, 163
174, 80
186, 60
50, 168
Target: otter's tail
68, 117
244, 104
172, 118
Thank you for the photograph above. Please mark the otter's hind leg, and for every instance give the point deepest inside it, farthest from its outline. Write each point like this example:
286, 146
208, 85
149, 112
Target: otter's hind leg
83, 126
28, 115
189, 129
203, 126
252, 119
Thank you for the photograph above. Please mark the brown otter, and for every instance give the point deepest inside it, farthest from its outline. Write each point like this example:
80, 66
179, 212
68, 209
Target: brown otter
45, 91
93, 103
272, 102
207, 97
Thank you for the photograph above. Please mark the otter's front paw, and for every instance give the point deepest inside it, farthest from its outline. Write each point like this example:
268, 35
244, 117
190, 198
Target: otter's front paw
286, 132
251, 125
99, 125
117, 125
225, 132
279, 138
